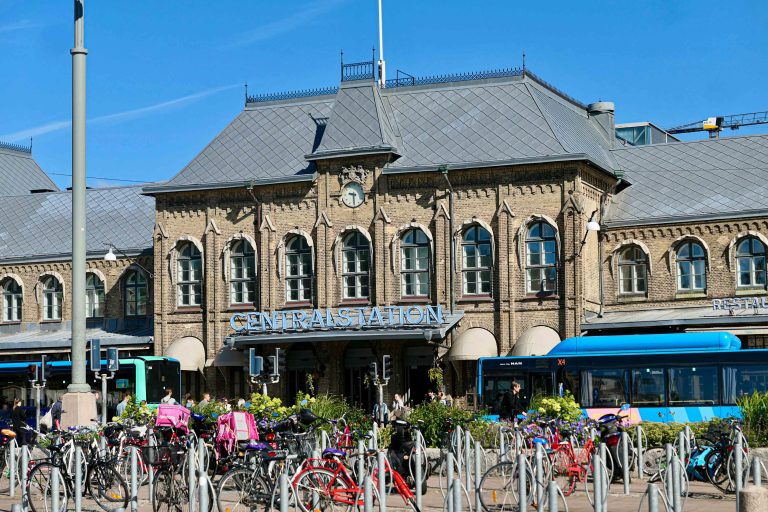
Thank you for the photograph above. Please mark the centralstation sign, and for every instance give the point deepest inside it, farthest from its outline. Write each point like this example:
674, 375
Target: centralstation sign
376, 317
732, 303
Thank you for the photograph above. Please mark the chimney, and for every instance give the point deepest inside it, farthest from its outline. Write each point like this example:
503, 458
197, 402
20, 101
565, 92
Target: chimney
603, 112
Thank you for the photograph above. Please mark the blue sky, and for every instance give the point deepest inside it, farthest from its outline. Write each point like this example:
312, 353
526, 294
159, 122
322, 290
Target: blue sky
164, 77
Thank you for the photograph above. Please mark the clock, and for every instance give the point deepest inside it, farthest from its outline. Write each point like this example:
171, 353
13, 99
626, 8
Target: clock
353, 194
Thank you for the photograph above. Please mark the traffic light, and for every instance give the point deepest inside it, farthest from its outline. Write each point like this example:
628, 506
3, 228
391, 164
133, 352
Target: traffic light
386, 367
96, 356
282, 363
257, 363
270, 366
373, 371
47, 368
113, 360
32, 372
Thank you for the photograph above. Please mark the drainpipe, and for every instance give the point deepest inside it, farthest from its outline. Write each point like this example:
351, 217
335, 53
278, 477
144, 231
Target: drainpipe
452, 264
600, 247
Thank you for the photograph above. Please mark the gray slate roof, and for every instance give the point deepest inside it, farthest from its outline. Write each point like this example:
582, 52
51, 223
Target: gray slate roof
679, 316
39, 226
20, 174
687, 180
62, 339
505, 119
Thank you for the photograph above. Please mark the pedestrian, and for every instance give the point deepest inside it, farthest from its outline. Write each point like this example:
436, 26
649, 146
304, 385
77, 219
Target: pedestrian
205, 400
56, 410
381, 413
19, 422
168, 398
123, 404
397, 403
188, 402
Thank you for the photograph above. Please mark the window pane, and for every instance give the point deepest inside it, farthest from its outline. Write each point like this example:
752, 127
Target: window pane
470, 260
647, 387
603, 388
743, 380
485, 255
684, 252
470, 283
534, 256
696, 385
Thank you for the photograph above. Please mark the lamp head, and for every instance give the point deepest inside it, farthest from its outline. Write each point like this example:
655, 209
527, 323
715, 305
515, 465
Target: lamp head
110, 256
593, 225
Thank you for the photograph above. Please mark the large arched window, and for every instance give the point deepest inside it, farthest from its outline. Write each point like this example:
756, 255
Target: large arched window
476, 261
414, 264
633, 271
355, 259
691, 267
242, 273
298, 270
189, 272
12, 300
750, 260
540, 258
52, 298
135, 293
94, 296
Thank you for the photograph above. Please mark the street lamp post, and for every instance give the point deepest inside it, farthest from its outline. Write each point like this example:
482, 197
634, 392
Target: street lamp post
79, 405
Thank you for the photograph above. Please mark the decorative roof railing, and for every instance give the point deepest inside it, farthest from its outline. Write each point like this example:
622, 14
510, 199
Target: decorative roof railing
554, 89
17, 147
408, 80
290, 95
358, 71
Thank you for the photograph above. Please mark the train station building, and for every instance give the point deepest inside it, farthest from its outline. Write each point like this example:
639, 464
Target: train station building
436, 220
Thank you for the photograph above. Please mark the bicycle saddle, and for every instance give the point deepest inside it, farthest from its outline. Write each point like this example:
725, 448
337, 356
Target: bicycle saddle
256, 446
334, 452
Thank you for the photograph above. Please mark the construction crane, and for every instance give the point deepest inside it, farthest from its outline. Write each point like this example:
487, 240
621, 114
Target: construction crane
714, 125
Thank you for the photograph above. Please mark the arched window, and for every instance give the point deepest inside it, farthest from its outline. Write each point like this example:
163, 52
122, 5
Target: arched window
94, 296
135, 293
476, 261
750, 259
189, 272
691, 267
52, 298
242, 275
414, 264
540, 258
298, 270
12, 301
633, 271
355, 258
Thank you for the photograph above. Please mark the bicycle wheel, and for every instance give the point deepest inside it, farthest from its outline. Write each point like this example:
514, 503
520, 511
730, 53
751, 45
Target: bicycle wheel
123, 465
319, 489
717, 473
242, 490
563, 472
107, 487
169, 492
39, 488
653, 458
5, 470
499, 487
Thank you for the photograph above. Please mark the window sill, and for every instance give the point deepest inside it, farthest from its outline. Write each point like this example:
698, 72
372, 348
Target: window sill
355, 302
475, 298
241, 307
635, 297
757, 290
541, 296
193, 309
51, 321
11, 322
691, 295
416, 299
297, 305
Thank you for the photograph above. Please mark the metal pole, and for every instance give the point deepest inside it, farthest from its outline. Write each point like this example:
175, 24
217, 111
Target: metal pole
360, 462
12, 463
502, 447
668, 472
134, 486
418, 475
605, 484
456, 495
55, 490
103, 399
202, 482
449, 484
676, 502
625, 461
538, 484
151, 474
739, 467
478, 476
382, 483
381, 402
597, 482
521, 484
37, 406
639, 431
190, 476
653, 498
283, 494
78, 478
757, 471
79, 384
553, 496
23, 476
367, 494
468, 459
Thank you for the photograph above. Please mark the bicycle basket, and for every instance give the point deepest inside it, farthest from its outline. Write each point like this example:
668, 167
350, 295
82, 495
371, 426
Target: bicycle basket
157, 455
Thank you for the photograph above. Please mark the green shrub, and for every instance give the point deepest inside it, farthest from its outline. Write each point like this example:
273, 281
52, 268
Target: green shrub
754, 416
138, 413
436, 417
266, 407
212, 410
564, 408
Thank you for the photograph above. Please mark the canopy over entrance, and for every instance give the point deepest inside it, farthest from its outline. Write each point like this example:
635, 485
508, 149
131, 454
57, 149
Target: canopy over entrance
473, 344
190, 353
536, 341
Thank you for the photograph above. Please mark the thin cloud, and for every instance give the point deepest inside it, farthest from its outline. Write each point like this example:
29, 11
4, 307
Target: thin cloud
116, 118
287, 24
18, 25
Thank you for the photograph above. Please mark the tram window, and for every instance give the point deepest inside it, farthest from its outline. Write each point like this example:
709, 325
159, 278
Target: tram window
743, 380
694, 385
602, 388
647, 387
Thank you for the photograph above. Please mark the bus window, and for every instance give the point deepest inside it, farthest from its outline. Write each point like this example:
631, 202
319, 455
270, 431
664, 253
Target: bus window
695, 385
570, 381
541, 385
602, 388
494, 387
648, 387
743, 380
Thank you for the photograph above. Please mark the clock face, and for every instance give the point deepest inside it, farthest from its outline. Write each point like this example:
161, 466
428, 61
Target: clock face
353, 195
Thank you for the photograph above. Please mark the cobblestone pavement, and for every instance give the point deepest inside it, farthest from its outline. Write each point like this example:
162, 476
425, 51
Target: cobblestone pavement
703, 498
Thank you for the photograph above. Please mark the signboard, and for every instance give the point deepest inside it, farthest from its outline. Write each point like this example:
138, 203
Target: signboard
733, 303
380, 317
122, 383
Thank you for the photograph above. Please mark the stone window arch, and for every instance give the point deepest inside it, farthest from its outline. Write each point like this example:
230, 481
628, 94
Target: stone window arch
94, 294
189, 275
477, 259
299, 268
750, 262
633, 270
240, 270
52, 296
415, 263
355, 266
12, 295
691, 263
135, 292
541, 257
173, 255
